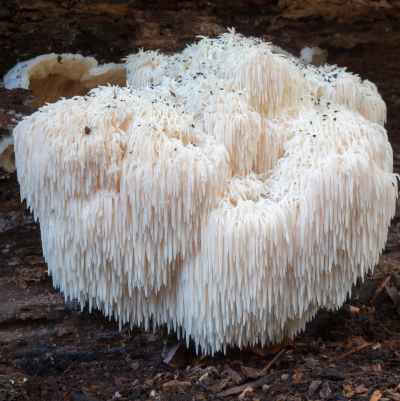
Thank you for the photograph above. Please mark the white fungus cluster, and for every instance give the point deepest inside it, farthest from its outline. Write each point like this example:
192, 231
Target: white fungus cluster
228, 191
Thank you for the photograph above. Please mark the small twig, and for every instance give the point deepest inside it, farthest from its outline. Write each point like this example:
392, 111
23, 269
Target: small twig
353, 350
254, 385
4, 176
381, 287
66, 370
276, 357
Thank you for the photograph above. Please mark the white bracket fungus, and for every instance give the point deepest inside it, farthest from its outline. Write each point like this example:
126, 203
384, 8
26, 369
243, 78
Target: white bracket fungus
53, 76
228, 192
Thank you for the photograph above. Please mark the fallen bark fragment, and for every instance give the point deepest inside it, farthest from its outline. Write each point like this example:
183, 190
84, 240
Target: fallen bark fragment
258, 383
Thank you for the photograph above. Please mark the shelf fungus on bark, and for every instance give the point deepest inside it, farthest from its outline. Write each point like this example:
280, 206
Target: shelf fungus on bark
226, 192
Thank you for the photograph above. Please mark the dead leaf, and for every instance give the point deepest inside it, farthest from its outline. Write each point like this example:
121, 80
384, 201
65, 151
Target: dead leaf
346, 387
376, 395
349, 395
376, 346
360, 389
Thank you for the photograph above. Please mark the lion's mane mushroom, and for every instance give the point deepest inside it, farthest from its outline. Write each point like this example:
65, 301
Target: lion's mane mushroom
339, 86
128, 178
222, 197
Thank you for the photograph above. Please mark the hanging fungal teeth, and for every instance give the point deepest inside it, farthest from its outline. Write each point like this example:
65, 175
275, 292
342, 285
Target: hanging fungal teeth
213, 194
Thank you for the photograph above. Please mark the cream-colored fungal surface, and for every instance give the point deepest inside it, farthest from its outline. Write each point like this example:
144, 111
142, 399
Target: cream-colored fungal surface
228, 192
53, 76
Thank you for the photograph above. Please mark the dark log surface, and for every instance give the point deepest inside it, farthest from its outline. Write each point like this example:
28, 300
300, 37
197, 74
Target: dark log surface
363, 35
69, 354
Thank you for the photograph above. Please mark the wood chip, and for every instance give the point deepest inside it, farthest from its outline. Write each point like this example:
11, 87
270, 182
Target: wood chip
354, 309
